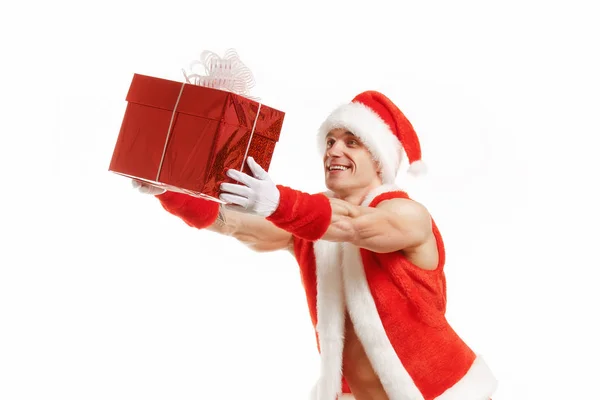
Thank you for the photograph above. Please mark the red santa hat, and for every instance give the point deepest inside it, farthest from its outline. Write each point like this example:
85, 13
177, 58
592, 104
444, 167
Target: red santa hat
382, 128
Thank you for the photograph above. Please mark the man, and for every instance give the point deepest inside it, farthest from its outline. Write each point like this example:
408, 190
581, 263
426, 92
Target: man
371, 260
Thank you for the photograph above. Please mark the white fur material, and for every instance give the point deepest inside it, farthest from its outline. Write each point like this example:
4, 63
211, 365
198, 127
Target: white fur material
372, 131
341, 279
479, 383
330, 322
385, 188
417, 168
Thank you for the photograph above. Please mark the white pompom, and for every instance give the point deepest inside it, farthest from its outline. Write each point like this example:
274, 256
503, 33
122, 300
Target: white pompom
417, 168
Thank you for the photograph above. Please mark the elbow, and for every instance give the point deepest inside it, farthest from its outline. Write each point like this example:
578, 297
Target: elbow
263, 247
258, 248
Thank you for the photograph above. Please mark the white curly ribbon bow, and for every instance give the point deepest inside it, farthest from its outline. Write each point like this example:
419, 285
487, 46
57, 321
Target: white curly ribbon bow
224, 73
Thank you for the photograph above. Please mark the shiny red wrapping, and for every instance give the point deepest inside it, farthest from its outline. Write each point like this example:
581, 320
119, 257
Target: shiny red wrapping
211, 131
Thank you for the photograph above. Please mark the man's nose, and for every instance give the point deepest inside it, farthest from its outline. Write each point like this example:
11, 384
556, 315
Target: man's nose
336, 149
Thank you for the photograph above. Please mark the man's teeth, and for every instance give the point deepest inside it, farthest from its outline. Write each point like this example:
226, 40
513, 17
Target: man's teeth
338, 167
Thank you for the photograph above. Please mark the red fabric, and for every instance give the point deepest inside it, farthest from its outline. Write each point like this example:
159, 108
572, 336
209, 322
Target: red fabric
194, 211
304, 215
411, 304
398, 194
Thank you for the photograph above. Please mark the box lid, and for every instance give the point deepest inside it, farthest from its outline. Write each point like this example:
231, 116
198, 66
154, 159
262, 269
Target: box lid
205, 102
163, 94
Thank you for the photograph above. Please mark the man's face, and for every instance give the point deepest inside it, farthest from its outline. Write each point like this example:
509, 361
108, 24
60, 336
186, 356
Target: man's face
348, 163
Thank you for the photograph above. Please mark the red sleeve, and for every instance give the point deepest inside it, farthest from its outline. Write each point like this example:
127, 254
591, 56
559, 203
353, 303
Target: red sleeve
396, 194
304, 215
194, 211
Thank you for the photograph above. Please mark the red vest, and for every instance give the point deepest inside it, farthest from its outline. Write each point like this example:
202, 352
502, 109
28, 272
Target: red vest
398, 311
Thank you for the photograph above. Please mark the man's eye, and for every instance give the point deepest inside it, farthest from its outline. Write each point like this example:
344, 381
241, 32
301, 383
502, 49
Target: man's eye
330, 143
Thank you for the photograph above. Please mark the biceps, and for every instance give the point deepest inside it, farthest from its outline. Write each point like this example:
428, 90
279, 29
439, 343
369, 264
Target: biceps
386, 235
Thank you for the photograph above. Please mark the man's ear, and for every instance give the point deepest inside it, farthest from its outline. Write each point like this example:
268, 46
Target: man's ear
378, 166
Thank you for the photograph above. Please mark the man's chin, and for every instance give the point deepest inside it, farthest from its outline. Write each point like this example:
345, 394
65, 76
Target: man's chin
338, 185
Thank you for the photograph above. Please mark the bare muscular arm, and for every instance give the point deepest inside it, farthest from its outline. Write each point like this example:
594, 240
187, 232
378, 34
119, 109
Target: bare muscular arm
393, 225
254, 231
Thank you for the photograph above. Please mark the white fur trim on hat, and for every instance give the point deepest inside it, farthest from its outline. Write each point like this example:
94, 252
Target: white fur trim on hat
371, 130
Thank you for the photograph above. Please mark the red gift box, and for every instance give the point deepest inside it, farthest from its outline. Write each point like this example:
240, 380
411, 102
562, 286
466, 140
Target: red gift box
184, 137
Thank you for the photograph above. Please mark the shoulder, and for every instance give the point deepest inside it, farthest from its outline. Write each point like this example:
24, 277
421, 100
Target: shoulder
406, 208
406, 213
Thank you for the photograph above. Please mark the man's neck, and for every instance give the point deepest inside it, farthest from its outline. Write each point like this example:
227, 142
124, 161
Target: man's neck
356, 197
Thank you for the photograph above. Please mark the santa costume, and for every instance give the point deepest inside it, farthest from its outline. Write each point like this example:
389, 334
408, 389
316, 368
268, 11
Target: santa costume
397, 309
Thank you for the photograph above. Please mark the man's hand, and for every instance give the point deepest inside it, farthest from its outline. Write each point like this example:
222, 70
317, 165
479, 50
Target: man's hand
342, 227
146, 188
257, 195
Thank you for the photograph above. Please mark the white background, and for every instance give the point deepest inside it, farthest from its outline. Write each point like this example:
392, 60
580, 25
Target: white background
103, 295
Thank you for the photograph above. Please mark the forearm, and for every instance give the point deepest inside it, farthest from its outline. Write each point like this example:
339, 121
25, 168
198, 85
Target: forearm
391, 226
224, 224
253, 231
366, 227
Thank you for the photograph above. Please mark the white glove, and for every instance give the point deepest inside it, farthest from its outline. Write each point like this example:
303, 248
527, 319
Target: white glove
146, 188
258, 195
